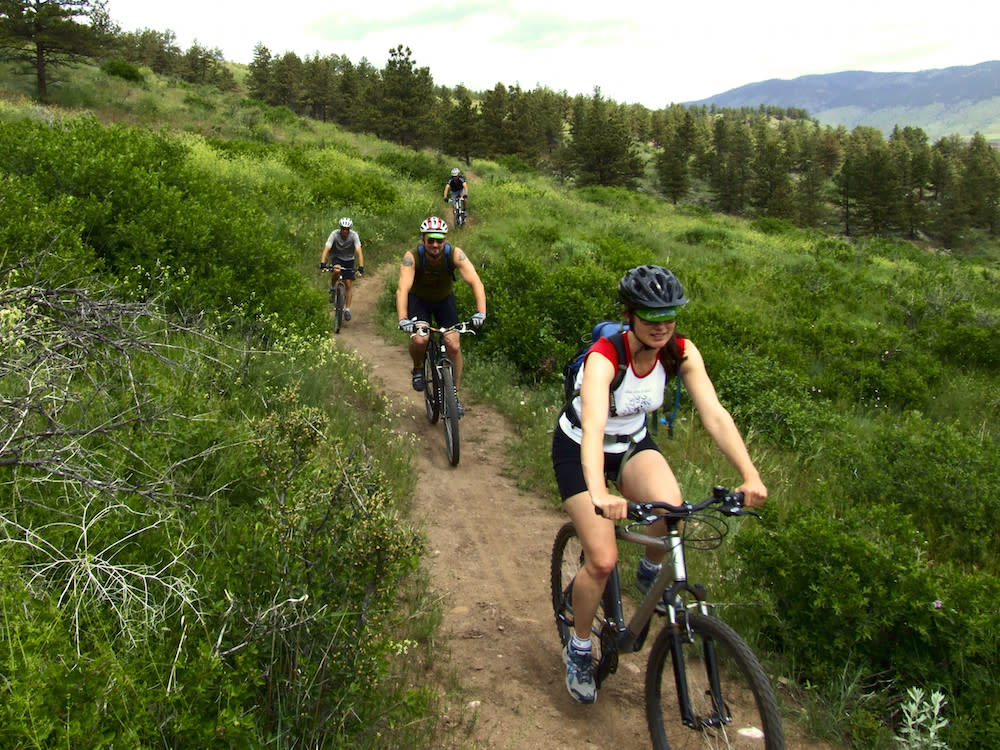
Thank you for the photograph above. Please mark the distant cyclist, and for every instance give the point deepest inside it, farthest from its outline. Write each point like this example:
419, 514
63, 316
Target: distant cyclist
425, 293
597, 437
343, 247
457, 186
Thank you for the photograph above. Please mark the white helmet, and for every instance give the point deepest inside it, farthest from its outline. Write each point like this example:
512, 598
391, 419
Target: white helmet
346, 223
456, 172
434, 225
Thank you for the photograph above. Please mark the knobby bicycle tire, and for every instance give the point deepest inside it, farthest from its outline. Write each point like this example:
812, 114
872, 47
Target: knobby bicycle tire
751, 719
338, 301
431, 388
449, 413
567, 559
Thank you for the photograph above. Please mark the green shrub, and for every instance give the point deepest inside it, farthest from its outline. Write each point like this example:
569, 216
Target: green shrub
904, 456
857, 588
713, 237
515, 165
772, 402
544, 310
774, 226
141, 207
414, 165
123, 69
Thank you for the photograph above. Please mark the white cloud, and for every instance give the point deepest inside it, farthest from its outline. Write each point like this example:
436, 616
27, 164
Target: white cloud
648, 51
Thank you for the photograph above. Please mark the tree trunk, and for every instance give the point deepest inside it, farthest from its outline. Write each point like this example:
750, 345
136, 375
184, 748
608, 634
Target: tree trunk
40, 73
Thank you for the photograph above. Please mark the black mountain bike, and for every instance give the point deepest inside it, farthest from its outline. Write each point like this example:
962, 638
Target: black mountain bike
440, 391
338, 294
704, 686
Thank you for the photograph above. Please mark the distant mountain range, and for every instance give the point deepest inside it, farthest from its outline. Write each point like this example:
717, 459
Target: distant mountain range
947, 101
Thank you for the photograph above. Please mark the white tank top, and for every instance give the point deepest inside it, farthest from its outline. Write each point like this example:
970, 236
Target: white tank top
636, 397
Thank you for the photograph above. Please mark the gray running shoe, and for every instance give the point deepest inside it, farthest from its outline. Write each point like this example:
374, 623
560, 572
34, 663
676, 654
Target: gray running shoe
347, 314
579, 675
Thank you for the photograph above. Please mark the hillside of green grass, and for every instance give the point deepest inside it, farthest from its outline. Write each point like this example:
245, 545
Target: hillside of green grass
864, 375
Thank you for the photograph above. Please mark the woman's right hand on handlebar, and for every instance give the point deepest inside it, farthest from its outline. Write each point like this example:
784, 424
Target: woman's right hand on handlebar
610, 506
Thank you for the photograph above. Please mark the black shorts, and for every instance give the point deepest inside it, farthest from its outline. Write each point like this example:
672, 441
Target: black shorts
439, 314
569, 469
346, 268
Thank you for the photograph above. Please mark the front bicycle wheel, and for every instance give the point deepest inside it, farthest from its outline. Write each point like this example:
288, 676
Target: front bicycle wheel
338, 301
449, 412
732, 701
431, 389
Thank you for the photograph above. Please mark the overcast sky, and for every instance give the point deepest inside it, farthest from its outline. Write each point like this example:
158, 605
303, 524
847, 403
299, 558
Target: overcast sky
651, 52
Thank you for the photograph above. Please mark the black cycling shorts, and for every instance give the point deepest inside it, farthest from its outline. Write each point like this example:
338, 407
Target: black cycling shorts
569, 469
439, 314
346, 268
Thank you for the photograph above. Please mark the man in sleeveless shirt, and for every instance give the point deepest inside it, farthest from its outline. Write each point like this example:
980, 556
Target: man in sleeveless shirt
425, 294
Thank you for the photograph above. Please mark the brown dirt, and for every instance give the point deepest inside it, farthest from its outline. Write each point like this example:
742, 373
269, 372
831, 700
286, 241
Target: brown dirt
489, 543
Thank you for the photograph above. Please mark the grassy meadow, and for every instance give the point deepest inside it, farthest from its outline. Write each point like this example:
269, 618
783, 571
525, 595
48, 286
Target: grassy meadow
863, 374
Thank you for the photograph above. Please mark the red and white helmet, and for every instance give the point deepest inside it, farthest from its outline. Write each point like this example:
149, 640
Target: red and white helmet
434, 224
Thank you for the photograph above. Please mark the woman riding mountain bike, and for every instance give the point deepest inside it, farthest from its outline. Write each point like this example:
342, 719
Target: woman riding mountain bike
602, 435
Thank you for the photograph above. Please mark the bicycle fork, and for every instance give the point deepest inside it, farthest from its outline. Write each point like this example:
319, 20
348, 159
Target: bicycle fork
682, 633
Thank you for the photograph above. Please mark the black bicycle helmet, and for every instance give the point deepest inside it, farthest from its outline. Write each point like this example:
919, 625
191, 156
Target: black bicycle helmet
650, 286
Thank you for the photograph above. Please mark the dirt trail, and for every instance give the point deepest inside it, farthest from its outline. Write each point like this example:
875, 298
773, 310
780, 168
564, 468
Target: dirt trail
489, 563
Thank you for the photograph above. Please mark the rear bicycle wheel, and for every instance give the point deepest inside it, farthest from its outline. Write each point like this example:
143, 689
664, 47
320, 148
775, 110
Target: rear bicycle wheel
449, 413
431, 389
567, 559
338, 301
739, 713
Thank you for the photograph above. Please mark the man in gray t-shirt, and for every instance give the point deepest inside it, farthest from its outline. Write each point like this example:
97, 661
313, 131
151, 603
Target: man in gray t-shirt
342, 247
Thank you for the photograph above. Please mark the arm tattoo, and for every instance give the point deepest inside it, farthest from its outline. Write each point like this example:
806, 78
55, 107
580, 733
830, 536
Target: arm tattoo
461, 256
407, 261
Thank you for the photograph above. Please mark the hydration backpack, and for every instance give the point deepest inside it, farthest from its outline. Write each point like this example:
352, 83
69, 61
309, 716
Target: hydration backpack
448, 261
614, 332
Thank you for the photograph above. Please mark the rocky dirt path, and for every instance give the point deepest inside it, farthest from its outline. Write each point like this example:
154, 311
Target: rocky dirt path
489, 559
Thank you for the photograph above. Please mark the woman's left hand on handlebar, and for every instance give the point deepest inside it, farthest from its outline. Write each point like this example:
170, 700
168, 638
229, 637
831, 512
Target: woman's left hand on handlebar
754, 492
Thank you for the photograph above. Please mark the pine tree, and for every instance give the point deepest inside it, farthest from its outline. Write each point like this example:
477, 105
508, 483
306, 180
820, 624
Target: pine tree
602, 151
404, 101
259, 78
981, 183
46, 33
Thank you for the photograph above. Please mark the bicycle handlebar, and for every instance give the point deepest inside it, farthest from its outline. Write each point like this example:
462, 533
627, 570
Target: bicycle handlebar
328, 268
730, 504
424, 329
